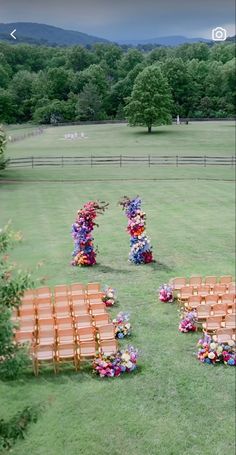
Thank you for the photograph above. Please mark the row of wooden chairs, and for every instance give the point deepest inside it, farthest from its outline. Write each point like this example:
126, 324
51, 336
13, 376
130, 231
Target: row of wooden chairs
197, 281
61, 290
223, 335
194, 301
213, 323
57, 354
228, 319
219, 289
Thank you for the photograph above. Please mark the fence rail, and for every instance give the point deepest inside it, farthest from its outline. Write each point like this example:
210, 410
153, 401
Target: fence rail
122, 160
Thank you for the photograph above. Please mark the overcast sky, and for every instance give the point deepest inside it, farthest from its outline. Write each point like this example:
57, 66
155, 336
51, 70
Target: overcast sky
125, 19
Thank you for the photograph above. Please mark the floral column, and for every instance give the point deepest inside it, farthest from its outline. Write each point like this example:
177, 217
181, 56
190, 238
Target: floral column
140, 252
84, 253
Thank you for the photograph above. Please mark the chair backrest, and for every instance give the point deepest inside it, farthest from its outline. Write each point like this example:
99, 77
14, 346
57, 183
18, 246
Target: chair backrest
94, 298
178, 283
101, 319
44, 291
64, 322
79, 310
195, 281
213, 323
108, 347
212, 299
223, 331
46, 323
203, 289
76, 288
26, 313
87, 349
24, 337
226, 279
66, 350
27, 324
219, 309
219, 288
66, 335
46, 312
44, 351
85, 333
78, 299
83, 321
186, 291
211, 280
60, 299
99, 308
60, 290
93, 287
46, 336
228, 299
106, 332
203, 311
194, 300
232, 288
230, 321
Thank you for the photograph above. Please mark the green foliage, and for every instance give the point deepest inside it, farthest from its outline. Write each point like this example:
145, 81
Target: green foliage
3, 141
150, 102
16, 427
13, 282
89, 106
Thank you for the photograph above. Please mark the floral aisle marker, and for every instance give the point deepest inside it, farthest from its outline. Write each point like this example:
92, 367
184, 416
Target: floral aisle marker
84, 253
211, 352
109, 296
166, 293
121, 362
122, 325
188, 322
141, 250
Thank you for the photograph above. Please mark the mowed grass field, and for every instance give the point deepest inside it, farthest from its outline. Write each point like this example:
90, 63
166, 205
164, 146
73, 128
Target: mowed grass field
172, 405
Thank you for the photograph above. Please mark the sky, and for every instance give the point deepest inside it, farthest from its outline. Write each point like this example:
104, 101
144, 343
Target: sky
126, 19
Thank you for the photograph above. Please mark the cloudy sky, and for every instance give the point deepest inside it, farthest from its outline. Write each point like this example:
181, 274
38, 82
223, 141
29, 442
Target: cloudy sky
125, 19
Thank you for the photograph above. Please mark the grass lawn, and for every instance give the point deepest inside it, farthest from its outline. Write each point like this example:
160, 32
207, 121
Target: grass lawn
173, 405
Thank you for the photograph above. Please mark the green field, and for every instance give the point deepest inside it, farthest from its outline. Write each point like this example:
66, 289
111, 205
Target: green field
173, 405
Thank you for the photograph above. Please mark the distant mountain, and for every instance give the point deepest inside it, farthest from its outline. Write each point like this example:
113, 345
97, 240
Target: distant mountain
32, 33
167, 41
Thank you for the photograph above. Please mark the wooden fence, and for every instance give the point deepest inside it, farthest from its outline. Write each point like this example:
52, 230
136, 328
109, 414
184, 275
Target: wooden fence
122, 161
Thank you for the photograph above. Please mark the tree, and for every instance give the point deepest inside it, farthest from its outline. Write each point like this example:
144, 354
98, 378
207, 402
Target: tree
89, 106
3, 160
150, 102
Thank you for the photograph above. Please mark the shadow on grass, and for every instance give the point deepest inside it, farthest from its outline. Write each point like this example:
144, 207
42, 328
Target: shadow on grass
157, 265
153, 133
107, 269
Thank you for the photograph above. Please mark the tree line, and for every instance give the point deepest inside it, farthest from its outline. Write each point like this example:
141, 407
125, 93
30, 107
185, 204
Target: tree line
49, 84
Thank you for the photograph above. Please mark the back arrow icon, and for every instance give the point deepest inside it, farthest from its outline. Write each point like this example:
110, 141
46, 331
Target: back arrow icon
12, 34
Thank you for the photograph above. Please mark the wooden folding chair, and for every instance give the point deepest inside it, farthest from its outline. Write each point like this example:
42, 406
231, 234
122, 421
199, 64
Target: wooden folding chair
60, 290
27, 325
44, 291
79, 299
67, 352
219, 289
211, 299
65, 336
226, 279
232, 288
45, 312
94, 298
223, 336
230, 321
43, 354
46, 323
193, 302
26, 313
195, 281
83, 321
178, 283
219, 309
98, 308
80, 310
93, 288
87, 350
22, 337
203, 290
108, 347
211, 281
185, 292
64, 322
232, 308
46, 336
101, 319
228, 299
203, 312
85, 334
76, 289
212, 324
27, 303
106, 332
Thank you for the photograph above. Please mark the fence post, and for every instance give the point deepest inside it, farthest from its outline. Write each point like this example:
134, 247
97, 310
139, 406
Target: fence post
177, 161
204, 160
120, 160
149, 162
91, 160
232, 162
62, 162
32, 162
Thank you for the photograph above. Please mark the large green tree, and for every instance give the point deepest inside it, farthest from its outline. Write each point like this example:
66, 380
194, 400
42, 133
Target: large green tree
150, 103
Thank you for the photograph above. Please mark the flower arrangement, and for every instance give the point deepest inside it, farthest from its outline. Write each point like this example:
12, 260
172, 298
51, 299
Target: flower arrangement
109, 296
122, 325
112, 366
166, 293
84, 254
140, 252
211, 352
188, 321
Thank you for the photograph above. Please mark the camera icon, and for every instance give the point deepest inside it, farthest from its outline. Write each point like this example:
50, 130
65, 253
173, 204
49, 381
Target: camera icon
219, 34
